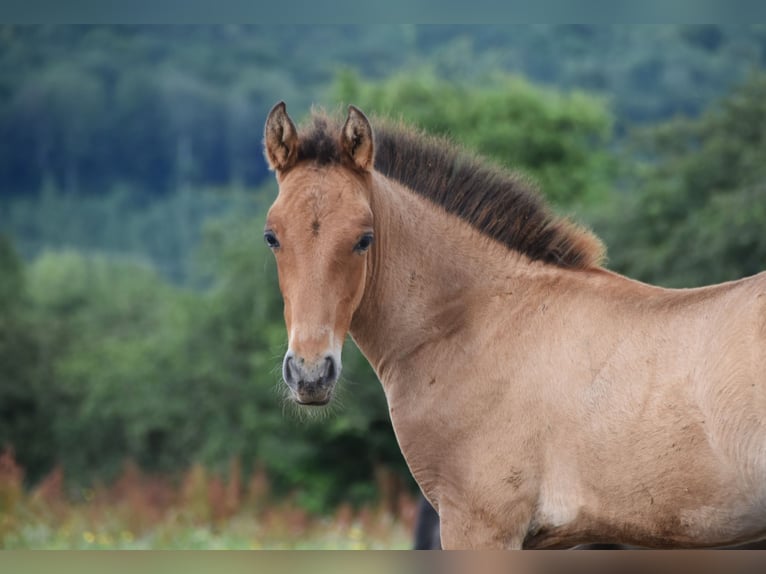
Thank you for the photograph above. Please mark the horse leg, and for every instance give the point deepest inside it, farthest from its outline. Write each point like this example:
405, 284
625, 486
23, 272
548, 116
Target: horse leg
477, 528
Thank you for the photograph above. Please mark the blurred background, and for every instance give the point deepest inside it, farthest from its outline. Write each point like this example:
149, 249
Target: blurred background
140, 322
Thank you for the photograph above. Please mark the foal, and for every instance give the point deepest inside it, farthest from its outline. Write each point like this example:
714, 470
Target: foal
539, 399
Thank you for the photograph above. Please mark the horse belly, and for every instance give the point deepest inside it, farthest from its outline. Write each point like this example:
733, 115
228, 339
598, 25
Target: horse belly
563, 520
668, 486
678, 510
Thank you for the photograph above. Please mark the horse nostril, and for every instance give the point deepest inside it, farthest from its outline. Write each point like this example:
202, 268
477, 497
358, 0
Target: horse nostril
330, 370
288, 372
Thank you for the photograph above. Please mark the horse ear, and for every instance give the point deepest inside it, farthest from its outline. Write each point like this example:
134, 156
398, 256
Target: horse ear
280, 139
356, 139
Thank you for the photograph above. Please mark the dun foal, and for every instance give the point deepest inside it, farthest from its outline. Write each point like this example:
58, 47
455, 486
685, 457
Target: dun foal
539, 399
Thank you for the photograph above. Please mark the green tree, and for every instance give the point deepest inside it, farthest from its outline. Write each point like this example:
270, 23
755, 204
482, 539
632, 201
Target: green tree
22, 403
112, 336
699, 209
58, 118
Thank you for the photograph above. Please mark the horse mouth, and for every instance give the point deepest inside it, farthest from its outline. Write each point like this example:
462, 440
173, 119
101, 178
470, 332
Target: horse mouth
321, 403
311, 397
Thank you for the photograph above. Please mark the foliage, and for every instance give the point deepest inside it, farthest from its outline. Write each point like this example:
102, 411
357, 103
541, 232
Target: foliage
700, 216
126, 224
22, 413
205, 510
649, 72
113, 338
162, 107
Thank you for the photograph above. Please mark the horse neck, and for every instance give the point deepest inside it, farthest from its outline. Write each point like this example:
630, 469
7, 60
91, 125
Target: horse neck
422, 259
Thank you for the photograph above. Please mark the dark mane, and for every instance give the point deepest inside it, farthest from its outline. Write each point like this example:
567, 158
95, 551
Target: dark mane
498, 203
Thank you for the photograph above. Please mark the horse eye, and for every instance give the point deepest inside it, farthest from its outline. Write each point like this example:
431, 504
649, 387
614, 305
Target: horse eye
271, 239
364, 243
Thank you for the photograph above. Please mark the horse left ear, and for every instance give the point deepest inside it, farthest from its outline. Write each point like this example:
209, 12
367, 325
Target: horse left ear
356, 139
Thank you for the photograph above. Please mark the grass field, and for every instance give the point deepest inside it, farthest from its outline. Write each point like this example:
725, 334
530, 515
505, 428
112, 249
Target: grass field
200, 511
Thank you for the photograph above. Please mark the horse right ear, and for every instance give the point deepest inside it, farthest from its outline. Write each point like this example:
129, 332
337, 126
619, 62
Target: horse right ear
280, 139
356, 139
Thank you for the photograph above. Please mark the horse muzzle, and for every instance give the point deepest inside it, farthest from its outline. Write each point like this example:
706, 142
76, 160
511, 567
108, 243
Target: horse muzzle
310, 382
